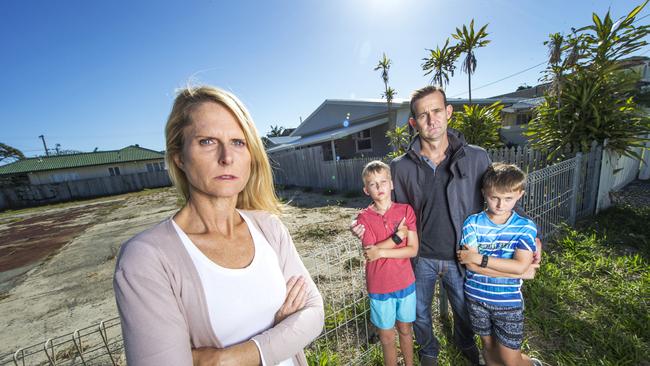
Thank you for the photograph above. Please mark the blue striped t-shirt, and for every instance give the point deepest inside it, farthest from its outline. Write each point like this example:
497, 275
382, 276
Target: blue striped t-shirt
499, 241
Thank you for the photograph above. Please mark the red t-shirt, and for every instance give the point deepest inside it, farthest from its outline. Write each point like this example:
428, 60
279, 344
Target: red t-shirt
386, 275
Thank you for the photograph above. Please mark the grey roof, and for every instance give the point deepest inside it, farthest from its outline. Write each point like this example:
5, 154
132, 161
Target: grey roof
524, 104
330, 135
332, 114
278, 140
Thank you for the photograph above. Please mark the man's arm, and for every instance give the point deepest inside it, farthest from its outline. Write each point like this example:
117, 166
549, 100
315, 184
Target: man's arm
399, 193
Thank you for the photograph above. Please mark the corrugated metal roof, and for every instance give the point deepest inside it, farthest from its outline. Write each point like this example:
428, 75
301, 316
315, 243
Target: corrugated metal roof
129, 153
328, 135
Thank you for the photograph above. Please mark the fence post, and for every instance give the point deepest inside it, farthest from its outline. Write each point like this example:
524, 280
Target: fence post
573, 209
644, 173
604, 180
442, 296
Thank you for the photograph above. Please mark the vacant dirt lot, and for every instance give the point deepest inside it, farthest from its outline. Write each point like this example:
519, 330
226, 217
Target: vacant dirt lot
56, 263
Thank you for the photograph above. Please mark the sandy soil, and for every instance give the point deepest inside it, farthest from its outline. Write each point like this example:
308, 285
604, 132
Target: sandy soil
56, 263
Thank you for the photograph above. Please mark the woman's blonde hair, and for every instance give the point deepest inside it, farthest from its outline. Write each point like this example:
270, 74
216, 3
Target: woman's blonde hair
259, 192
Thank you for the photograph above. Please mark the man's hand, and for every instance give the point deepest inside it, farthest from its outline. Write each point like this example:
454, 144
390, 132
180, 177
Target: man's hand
295, 300
530, 272
372, 253
537, 256
402, 231
469, 255
357, 229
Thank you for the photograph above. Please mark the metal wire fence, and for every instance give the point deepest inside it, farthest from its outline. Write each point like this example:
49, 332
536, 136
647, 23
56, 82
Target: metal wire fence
555, 194
99, 344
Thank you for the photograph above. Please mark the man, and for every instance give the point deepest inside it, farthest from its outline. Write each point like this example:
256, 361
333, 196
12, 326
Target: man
440, 177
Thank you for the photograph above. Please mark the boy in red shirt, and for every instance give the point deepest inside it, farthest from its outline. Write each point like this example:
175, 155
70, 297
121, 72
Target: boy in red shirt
389, 241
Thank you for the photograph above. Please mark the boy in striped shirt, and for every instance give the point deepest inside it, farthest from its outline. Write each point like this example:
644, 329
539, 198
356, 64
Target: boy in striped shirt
497, 247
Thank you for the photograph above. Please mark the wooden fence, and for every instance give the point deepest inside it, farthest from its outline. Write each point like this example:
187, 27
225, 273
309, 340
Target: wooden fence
42, 194
307, 168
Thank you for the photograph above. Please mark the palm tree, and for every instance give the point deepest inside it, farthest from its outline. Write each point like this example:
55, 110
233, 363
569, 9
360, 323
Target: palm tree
10, 153
389, 93
555, 47
275, 131
441, 63
468, 42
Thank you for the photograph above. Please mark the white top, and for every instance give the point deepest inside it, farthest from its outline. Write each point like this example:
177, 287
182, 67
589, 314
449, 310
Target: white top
241, 302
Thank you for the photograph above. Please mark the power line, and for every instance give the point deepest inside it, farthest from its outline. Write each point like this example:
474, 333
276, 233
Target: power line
530, 68
502, 79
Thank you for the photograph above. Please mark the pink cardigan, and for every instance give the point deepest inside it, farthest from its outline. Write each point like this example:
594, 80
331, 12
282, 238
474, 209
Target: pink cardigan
163, 309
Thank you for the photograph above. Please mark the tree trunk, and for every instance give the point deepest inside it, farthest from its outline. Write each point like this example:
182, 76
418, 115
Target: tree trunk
469, 80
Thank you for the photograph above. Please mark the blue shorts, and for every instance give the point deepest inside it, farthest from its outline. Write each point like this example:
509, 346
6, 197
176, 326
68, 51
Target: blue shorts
505, 323
396, 305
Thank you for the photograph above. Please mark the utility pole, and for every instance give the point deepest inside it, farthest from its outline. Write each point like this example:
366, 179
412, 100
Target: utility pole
44, 145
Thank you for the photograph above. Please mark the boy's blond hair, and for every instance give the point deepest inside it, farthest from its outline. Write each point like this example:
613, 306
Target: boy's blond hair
501, 177
374, 167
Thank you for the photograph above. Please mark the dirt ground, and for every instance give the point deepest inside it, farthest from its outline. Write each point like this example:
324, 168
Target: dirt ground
57, 262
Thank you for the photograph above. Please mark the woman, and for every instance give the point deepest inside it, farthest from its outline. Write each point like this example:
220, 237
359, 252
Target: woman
219, 283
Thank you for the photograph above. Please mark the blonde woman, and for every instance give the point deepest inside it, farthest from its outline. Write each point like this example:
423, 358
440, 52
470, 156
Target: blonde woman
220, 282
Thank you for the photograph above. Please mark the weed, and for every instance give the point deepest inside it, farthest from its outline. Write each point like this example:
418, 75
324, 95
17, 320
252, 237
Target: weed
321, 356
318, 231
329, 192
352, 263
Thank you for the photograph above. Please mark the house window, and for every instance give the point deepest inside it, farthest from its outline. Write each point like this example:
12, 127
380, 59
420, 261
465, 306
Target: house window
155, 167
523, 118
114, 171
363, 141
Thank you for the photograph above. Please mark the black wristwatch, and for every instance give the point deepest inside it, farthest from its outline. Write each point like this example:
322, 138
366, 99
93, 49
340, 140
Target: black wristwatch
396, 238
484, 261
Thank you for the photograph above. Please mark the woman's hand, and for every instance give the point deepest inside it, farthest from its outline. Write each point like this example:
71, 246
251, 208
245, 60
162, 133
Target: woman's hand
206, 356
470, 255
295, 300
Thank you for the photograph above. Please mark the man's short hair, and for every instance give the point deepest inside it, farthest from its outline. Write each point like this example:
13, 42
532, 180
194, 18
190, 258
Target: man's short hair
423, 92
374, 167
501, 177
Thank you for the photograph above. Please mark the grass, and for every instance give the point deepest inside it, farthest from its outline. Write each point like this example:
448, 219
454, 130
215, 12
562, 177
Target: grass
588, 305
590, 301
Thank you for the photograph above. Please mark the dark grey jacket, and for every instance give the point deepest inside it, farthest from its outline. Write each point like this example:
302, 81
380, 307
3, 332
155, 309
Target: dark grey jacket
467, 164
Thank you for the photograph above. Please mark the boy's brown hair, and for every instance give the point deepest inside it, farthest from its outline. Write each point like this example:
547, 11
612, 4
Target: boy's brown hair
501, 177
374, 167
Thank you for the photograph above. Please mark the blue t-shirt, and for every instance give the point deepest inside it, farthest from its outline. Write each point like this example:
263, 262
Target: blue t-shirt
499, 241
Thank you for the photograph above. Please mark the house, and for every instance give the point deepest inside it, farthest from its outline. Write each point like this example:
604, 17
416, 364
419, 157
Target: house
352, 128
64, 168
515, 118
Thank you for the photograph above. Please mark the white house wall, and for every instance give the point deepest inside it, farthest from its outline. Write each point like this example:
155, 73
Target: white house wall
88, 172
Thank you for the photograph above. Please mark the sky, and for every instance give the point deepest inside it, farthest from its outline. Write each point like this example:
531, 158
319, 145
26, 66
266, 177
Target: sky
103, 74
